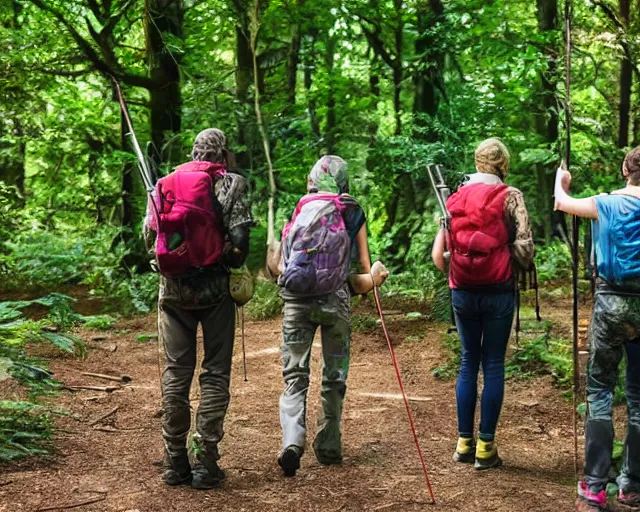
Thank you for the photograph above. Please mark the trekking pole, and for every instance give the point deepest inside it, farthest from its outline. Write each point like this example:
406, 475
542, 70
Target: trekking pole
575, 235
442, 193
244, 352
143, 165
376, 269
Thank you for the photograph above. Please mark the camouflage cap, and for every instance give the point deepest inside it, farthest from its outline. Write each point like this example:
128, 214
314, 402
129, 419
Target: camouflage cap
210, 146
330, 175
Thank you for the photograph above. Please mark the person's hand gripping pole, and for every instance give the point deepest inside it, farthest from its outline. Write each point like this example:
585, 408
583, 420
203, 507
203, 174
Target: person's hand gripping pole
379, 274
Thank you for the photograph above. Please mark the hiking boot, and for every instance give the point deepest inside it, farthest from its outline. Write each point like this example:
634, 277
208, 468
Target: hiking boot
487, 455
630, 499
328, 458
209, 477
594, 500
465, 451
179, 472
289, 461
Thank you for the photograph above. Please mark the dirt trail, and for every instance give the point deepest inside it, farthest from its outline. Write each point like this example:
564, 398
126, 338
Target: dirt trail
381, 470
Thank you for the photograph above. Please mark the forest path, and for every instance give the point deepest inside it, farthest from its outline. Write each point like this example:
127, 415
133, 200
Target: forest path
120, 465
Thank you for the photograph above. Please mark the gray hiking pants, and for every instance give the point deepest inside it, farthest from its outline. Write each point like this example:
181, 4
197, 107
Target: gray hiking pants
301, 319
177, 327
614, 330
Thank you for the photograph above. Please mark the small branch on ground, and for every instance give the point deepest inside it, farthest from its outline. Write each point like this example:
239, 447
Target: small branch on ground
74, 505
387, 506
106, 389
110, 430
104, 416
124, 379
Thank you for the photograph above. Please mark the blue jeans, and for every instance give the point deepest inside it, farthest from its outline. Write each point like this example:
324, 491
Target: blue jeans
484, 324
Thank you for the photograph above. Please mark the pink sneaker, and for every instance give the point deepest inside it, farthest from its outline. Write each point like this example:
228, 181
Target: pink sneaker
598, 499
630, 499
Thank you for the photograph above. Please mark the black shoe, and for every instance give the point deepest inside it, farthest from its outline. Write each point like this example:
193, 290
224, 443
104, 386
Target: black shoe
209, 477
179, 472
289, 461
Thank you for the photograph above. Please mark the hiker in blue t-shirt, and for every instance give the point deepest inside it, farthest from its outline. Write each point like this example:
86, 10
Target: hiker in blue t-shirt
614, 330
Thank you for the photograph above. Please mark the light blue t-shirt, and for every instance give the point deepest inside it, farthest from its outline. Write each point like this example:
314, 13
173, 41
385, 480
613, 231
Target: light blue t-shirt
616, 236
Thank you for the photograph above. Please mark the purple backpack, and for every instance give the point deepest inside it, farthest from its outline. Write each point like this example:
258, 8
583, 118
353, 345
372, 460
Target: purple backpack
316, 247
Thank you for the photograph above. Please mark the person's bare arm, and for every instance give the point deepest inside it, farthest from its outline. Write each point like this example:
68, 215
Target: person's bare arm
364, 283
585, 207
363, 249
274, 259
437, 253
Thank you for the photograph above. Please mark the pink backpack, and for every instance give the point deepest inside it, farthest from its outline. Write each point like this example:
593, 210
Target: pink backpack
188, 222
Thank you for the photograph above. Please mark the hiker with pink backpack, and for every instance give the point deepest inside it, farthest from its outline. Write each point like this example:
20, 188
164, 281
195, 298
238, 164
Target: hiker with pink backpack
313, 264
198, 220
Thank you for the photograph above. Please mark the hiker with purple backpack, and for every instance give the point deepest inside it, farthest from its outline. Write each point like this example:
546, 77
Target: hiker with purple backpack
199, 221
326, 233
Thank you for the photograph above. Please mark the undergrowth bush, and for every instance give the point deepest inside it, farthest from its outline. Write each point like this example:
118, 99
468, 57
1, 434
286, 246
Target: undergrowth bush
423, 284
553, 261
25, 426
25, 429
449, 369
266, 303
543, 355
46, 260
364, 323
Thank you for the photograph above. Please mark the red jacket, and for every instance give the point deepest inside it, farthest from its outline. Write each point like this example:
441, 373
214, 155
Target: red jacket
479, 241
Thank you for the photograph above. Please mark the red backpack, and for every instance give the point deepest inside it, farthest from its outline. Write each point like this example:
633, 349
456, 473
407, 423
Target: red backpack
189, 219
479, 237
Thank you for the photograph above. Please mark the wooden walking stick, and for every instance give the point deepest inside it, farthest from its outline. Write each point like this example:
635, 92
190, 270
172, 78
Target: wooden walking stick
575, 232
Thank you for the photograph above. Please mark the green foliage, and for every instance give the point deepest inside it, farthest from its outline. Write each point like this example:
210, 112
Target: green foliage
16, 330
364, 324
449, 369
553, 261
143, 338
40, 259
424, 284
543, 355
25, 429
266, 303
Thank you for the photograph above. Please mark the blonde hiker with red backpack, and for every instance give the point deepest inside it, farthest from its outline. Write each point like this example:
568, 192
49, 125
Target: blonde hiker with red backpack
199, 220
313, 263
614, 332
489, 237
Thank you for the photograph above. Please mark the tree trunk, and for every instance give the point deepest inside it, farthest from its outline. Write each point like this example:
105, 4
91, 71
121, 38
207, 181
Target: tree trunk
309, 63
164, 18
547, 120
12, 161
429, 79
330, 127
397, 68
244, 78
293, 58
12, 170
127, 184
626, 80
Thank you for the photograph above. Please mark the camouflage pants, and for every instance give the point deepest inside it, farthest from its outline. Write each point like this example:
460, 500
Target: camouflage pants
177, 327
301, 319
614, 330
